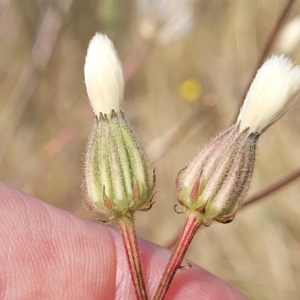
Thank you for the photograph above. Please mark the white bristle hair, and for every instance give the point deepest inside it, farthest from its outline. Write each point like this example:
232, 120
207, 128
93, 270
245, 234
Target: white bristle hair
103, 76
273, 90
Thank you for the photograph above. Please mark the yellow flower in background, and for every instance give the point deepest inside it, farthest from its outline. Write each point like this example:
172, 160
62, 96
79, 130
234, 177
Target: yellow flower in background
190, 90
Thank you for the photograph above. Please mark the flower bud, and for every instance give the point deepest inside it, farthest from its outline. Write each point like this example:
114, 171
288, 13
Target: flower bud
117, 175
216, 182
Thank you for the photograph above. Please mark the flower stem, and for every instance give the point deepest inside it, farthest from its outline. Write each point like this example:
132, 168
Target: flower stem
127, 230
191, 225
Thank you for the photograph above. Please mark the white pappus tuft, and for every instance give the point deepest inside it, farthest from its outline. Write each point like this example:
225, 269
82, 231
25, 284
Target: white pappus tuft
289, 38
273, 90
103, 75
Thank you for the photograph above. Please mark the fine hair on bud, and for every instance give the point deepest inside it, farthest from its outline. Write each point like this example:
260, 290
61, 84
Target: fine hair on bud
117, 175
216, 182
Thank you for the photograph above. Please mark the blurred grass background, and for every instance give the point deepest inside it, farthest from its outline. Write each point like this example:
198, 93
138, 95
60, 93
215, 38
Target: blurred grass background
198, 63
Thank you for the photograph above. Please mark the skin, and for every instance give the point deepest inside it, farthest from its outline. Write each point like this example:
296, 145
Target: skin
48, 253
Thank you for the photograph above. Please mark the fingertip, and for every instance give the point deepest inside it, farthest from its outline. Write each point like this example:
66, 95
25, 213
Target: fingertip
66, 255
50, 253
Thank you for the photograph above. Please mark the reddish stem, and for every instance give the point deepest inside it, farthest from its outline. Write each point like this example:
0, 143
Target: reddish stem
192, 223
127, 230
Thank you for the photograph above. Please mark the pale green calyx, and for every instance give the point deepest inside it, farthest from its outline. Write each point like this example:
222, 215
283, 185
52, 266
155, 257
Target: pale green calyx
117, 176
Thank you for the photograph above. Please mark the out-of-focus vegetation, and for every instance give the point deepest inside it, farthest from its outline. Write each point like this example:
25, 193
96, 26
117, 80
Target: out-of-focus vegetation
199, 64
